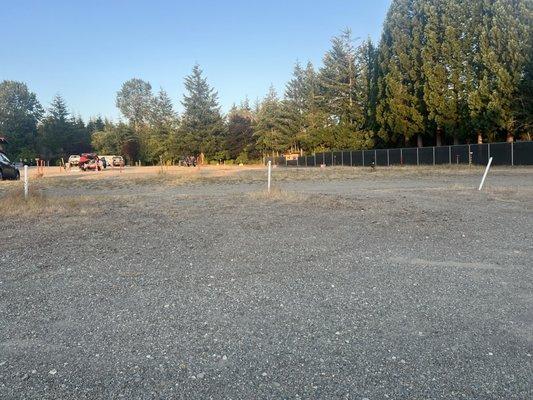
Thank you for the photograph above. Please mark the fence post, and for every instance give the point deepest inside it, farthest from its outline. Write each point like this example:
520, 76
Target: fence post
324, 158
314, 155
401, 156
512, 154
351, 158
388, 158
375, 158
488, 150
332, 160
269, 174
342, 158
25, 182
417, 158
450, 153
433, 155
363, 154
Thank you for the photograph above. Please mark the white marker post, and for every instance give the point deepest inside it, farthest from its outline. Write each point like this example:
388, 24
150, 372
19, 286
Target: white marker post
269, 175
25, 182
485, 174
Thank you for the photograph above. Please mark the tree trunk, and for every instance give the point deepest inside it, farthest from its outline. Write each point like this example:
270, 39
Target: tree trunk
419, 141
438, 137
479, 138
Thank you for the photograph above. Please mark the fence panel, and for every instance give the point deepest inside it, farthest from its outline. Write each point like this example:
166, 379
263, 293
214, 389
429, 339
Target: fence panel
395, 157
327, 158
523, 153
337, 158
368, 157
410, 156
460, 154
381, 157
346, 158
425, 155
442, 155
357, 158
500, 153
480, 154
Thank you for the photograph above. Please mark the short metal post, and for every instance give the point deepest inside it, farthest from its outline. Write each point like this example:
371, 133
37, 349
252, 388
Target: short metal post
388, 158
450, 153
363, 154
324, 158
433, 155
375, 158
25, 182
342, 158
351, 158
512, 154
269, 174
332, 159
401, 156
488, 150
417, 157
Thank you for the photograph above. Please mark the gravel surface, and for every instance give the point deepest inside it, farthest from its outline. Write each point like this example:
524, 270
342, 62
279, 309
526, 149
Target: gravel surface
393, 285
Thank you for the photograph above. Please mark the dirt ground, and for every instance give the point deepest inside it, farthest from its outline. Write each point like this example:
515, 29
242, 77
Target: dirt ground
153, 283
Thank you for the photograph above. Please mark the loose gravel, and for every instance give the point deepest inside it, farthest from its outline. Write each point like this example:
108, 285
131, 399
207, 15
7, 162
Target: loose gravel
377, 286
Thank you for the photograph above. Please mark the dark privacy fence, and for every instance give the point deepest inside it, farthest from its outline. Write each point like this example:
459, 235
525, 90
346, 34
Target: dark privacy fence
518, 153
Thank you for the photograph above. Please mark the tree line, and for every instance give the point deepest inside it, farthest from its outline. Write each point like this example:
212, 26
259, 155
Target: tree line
444, 72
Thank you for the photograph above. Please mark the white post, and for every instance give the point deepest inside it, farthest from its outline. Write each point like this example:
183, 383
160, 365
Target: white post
485, 174
25, 182
269, 174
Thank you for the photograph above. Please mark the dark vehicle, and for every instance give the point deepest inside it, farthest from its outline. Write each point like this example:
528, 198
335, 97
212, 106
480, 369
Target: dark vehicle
8, 170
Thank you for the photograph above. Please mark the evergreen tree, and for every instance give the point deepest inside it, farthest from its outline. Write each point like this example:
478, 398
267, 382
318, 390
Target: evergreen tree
95, 125
239, 141
57, 132
271, 128
401, 110
164, 123
202, 126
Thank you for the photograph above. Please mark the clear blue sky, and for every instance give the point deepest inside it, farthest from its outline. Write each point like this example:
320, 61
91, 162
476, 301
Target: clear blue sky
85, 50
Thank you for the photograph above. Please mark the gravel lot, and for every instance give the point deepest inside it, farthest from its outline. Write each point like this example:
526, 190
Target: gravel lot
403, 283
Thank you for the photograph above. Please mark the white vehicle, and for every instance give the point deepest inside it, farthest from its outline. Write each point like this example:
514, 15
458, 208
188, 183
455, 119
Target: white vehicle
118, 161
74, 160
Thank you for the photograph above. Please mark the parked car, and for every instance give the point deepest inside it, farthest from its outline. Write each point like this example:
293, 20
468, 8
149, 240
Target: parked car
118, 161
108, 159
89, 161
74, 160
91, 165
8, 170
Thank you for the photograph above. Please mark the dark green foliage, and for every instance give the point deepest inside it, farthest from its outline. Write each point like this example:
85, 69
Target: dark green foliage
202, 127
20, 112
61, 134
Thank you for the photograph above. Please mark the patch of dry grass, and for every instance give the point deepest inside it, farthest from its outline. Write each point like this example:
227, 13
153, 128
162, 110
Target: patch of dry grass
39, 204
